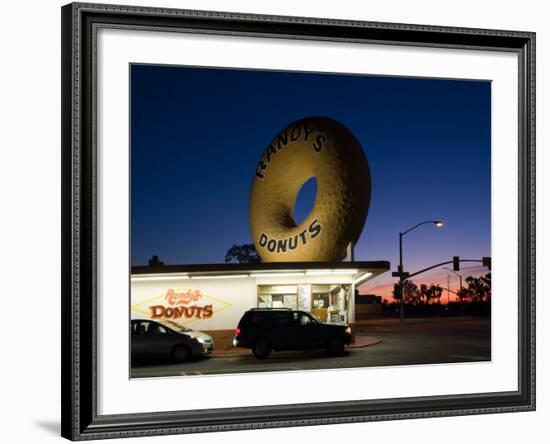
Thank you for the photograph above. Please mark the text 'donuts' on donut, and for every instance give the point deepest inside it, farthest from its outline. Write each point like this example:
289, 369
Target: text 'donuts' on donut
313, 147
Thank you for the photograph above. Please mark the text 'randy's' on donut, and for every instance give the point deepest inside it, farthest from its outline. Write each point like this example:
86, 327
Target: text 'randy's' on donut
293, 134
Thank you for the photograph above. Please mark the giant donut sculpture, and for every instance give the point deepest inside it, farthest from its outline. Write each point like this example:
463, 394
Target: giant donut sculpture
313, 147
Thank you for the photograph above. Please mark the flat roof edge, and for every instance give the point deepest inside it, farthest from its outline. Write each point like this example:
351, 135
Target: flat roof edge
262, 266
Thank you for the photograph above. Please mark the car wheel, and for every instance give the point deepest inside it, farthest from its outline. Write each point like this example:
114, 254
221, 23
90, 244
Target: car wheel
181, 353
336, 346
261, 349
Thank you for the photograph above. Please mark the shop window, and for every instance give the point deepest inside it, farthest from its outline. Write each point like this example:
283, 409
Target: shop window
278, 296
327, 302
277, 301
264, 301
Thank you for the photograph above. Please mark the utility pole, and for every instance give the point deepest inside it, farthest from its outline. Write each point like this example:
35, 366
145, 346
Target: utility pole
401, 291
459, 290
402, 274
447, 290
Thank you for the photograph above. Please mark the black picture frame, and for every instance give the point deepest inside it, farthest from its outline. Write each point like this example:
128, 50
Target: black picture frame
79, 169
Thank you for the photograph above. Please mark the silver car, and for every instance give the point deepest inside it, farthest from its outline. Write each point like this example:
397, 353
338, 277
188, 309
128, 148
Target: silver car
154, 339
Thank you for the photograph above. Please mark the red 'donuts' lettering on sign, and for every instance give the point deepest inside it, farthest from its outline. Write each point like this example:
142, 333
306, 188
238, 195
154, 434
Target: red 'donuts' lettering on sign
193, 311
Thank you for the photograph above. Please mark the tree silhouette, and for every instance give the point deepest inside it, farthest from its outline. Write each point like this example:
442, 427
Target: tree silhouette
429, 293
437, 292
464, 294
155, 261
243, 254
487, 280
412, 296
424, 293
479, 289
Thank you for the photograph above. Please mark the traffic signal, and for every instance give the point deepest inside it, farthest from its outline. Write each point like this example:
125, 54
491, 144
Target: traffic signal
486, 261
456, 263
397, 291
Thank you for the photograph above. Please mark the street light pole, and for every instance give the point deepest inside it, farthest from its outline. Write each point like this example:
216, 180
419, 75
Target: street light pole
401, 271
460, 277
461, 306
448, 290
401, 291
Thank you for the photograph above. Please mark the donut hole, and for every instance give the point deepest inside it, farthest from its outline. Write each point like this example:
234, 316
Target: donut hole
305, 200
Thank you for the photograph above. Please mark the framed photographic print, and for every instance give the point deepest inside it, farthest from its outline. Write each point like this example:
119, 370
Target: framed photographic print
279, 221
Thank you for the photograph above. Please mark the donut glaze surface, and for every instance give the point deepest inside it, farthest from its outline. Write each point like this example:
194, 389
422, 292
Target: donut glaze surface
312, 147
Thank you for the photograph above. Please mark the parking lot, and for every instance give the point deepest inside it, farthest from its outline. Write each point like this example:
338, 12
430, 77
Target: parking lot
424, 341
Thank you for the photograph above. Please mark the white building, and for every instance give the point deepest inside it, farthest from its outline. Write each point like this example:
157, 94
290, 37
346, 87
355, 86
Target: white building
214, 297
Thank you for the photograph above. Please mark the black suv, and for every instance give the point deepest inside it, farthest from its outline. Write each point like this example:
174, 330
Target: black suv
267, 329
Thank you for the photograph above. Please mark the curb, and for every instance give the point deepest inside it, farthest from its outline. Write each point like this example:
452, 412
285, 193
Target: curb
359, 342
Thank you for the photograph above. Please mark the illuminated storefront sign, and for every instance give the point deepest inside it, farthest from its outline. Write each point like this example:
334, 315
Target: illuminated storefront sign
179, 306
182, 304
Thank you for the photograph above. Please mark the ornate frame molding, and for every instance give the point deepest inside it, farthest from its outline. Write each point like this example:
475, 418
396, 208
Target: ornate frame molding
80, 420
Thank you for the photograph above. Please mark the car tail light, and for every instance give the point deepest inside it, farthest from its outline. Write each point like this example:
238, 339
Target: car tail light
237, 331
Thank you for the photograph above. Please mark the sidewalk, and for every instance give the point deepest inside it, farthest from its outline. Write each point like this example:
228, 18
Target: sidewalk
359, 342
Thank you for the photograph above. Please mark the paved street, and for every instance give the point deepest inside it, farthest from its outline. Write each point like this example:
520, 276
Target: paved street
425, 341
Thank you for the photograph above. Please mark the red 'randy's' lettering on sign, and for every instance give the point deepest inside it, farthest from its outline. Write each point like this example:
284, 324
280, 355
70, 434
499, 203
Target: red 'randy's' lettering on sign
182, 297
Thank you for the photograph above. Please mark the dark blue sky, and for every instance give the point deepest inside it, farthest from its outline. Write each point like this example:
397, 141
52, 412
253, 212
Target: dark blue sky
197, 135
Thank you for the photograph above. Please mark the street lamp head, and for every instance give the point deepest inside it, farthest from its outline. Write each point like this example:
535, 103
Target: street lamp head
438, 223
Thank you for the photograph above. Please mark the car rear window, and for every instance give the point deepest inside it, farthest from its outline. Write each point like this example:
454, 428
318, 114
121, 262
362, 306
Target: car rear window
282, 318
255, 317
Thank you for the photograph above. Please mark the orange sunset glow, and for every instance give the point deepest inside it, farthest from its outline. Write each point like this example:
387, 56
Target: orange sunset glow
383, 285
